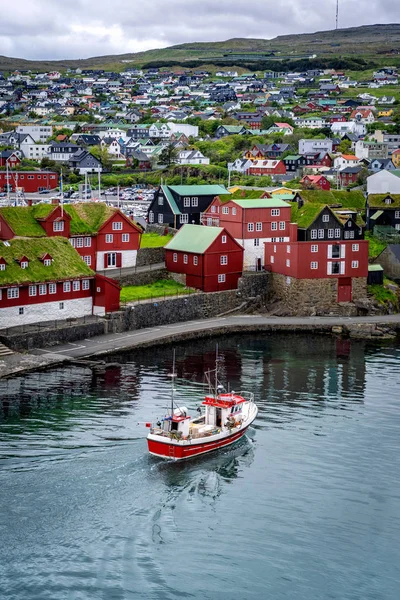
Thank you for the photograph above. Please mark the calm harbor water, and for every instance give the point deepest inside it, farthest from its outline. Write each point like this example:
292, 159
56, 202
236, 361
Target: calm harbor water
306, 507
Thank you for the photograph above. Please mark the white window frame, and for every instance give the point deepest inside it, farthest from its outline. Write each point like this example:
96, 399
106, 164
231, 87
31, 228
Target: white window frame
213, 209
258, 226
109, 238
314, 247
288, 262
12, 293
32, 290
76, 285
221, 278
52, 288
88, 260
195, 260
195, 201
88, 242
331, 233
275, 212
2, 267
314, 234
79, 242
24, 264
256, 241
184, 218
337, 233
355, 247
274, 225
225, 210
42, 289
186, 202
321, 234
223, 259
125, 237
234, 211
325, 218
185, 259
151, 216
58, 225
47, 262
223, 239
272, 259
313, 265
175, 257
67, 287
250, 227
160, 218
282, 225
354, 264
85, 284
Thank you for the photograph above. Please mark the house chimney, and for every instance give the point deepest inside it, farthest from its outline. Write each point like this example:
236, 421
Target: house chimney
30, 201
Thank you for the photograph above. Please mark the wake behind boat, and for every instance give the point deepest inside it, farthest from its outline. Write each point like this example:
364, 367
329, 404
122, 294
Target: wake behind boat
224, 419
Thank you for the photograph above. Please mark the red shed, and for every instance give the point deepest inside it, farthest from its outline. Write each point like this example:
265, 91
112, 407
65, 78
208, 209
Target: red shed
210, 257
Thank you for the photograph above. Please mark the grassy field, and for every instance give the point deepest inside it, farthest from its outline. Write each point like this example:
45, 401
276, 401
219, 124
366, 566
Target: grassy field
153, 240
158, 289
375, 246
383, 294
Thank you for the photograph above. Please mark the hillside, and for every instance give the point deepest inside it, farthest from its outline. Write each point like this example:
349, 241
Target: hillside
370, 42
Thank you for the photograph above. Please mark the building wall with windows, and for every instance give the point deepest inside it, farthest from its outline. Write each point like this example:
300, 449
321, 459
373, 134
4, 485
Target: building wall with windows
29, 181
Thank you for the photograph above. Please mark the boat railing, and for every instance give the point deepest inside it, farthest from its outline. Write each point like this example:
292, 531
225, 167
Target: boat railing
248, 396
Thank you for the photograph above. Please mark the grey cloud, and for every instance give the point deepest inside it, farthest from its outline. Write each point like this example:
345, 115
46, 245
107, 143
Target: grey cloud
56, 29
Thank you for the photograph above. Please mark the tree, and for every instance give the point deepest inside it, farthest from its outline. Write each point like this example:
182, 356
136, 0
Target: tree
101, 153
344, 147
169, 155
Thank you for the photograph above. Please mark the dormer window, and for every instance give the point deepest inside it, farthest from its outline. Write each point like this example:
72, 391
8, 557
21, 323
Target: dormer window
47, 262
388, 200
24, 264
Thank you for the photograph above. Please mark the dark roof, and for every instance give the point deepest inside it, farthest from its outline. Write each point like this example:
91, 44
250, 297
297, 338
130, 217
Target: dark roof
395, 249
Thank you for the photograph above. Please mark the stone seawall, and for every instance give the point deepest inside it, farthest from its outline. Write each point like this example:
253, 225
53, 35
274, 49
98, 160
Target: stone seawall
305, 296
148, 313
144, 278
150, 256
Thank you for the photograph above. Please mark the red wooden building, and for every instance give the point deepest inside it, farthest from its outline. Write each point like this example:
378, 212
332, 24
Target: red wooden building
338, 258
44, 279
28, 181
315, 181
210, 257
104, 237
251, 223
267, 167
9, 158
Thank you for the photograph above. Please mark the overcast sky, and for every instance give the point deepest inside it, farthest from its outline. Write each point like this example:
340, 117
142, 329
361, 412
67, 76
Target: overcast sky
56, 29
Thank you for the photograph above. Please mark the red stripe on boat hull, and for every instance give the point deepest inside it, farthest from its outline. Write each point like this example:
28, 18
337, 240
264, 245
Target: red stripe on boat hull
181, 452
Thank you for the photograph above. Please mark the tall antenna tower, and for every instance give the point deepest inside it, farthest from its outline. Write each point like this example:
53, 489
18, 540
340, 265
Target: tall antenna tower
337, 13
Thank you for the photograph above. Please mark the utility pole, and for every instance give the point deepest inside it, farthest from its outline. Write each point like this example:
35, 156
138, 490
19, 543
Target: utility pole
337, 13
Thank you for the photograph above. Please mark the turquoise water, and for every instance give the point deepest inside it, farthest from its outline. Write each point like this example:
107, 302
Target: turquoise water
306, 507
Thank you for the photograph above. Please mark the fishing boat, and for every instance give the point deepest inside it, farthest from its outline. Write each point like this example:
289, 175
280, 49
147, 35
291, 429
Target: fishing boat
224, 418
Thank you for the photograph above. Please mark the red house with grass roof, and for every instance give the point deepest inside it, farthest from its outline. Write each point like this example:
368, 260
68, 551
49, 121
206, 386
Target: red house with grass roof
104, 237
209, 257
45, 279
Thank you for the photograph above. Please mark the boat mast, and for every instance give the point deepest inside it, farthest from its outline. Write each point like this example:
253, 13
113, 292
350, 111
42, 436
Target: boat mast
216, 371
173, 375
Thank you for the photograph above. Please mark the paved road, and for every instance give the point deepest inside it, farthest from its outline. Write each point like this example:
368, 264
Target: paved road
132, 270
106, 344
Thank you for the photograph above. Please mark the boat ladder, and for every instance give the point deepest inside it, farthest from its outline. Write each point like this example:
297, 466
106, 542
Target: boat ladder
171, 451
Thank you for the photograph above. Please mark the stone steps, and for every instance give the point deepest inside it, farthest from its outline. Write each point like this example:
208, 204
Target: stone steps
4, 351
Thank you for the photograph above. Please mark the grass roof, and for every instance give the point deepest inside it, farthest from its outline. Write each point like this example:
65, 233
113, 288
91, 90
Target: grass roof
66, 264
86, 217
262, 203
307, 214
199, 190
242, 194
378, 200
354, 199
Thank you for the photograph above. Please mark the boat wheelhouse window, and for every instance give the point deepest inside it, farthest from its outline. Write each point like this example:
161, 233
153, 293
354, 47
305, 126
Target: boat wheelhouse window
174, 426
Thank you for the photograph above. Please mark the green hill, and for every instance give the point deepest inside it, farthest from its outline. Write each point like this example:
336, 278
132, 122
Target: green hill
377, 43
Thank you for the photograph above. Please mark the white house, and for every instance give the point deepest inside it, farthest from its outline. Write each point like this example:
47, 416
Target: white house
340, 129
345, 160
314, 145
33, 151
310, 122
192, 157
384, 182
39, 133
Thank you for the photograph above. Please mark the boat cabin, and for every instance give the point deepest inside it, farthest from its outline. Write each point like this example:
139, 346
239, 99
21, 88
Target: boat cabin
224, 410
